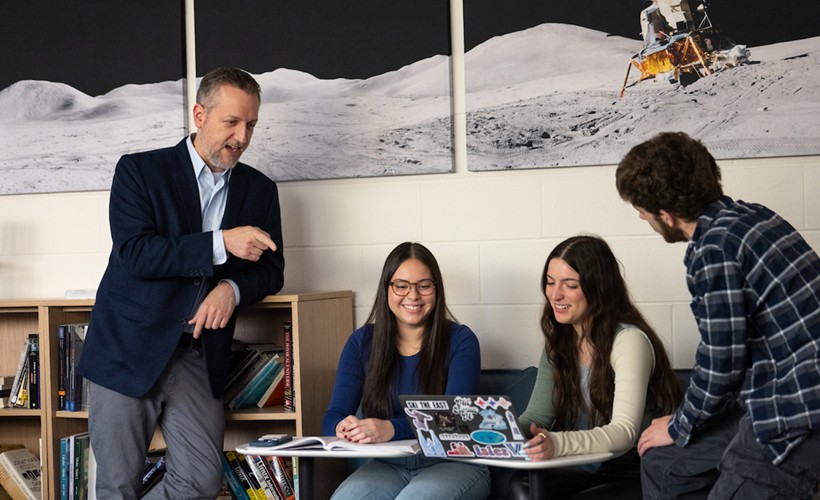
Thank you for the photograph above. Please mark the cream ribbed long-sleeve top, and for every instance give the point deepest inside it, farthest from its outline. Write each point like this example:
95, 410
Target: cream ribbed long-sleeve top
632, 360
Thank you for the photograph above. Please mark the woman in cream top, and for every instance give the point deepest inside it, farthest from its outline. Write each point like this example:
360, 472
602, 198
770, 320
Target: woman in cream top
603, 374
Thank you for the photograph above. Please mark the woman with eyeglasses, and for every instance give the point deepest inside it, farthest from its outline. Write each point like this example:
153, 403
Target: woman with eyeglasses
410, 344
602, 377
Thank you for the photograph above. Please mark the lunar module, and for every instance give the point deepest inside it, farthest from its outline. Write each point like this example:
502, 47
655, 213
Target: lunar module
680, 47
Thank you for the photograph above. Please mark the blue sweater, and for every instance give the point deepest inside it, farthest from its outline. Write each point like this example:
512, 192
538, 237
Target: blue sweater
463, 372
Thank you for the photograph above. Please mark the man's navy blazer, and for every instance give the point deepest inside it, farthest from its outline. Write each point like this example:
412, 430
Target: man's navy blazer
159, 258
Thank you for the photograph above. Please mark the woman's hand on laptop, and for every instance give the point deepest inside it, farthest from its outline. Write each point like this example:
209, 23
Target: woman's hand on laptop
540, 447
366, 430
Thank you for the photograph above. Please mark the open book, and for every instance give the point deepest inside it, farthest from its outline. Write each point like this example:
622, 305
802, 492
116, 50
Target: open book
333, 443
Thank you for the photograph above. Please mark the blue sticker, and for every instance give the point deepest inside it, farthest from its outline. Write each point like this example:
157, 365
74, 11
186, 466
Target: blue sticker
488, 437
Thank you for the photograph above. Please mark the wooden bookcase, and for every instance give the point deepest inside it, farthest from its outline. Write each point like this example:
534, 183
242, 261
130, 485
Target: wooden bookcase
322, 322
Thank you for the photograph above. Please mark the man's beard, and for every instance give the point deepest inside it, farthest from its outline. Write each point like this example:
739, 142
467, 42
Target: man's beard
670, 234
216, 160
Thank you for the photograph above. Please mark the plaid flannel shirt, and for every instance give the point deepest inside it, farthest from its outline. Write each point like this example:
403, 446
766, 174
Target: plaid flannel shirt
755, 286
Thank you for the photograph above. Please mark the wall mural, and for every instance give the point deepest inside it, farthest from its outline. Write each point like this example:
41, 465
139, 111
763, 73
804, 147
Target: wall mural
347, 90
579, 83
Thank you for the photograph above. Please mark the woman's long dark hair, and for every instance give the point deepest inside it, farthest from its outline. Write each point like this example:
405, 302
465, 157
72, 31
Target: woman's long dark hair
608, 304
382, 371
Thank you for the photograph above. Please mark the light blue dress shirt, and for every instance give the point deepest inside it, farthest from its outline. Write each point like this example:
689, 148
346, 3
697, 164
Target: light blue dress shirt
213, 194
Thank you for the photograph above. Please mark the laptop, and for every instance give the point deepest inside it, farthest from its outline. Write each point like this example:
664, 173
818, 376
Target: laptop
478, 426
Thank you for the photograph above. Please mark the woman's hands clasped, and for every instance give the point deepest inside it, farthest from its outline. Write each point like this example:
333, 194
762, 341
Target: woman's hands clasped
364, 431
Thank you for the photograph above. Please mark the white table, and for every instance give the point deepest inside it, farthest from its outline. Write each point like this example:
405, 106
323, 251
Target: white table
306, 472
554, 463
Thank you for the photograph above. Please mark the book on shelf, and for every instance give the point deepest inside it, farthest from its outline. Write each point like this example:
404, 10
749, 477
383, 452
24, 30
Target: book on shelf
333, 443
65, 468
255, 486
18, 373
21, 396
61, 366
263, 477
283, 474
20, 474
289, 390
239, 471
76, 398
232, 480
34, 371
249, 395
275, 393
257, 355
80, 464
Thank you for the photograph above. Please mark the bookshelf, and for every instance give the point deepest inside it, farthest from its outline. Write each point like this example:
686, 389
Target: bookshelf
322, 322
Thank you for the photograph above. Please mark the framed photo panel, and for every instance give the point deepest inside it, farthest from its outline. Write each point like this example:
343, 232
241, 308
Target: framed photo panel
82, 84
557, 84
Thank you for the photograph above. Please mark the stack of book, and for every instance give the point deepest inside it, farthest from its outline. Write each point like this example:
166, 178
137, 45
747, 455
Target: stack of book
256, 377
252, 477
24, 390
72, 389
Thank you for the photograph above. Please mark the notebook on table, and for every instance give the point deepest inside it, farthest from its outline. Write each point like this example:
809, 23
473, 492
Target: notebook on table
478, 426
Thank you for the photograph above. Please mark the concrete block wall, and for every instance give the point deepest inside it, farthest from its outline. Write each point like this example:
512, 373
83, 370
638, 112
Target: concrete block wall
490, 231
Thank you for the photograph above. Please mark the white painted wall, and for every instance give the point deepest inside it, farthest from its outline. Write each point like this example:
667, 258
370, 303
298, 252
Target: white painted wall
490, 231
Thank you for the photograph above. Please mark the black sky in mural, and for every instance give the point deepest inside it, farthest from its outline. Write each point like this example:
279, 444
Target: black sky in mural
99, 45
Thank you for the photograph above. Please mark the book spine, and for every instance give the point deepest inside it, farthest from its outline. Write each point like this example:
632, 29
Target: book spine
255, 486
34, 371
232, 479
78, 467
233, 459
266, 464
69, 369
287, 341
75, 336
15, 386
77, 350
61, 362
255, 363
85, 448
64, 468
274, 393
21, 400
282, 473
257, 466
71, 467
